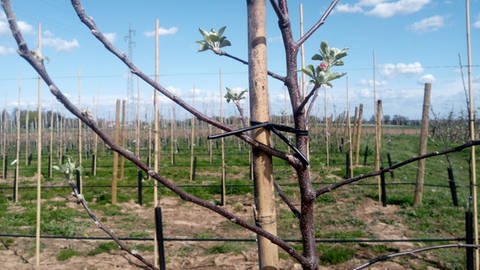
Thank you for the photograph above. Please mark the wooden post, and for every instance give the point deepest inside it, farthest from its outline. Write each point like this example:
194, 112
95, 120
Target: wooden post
115, 154
17, 146
61, 135
471, 125
39, 158
327, 131
27, 138
156, 143
349, 134
358, 138
417, 200
137, 122
4, 143
354, 134
173, 139
192, 138
259, 111
223, 179
210, 145
378, 143
50, 155
80, 147
122, 141
95, 145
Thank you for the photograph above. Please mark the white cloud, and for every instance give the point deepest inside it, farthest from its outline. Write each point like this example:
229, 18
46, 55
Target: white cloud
383, 8
429, 24
365, 82
24, 27
110, 37
392, 70
6, 50
161, 32
348, 8
427, 78
59, 44
476, 24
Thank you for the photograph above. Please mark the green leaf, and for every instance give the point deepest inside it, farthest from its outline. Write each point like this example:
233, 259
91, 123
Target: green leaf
335, 75
317, 57
203, 32
221, 30
324, 48
309, 70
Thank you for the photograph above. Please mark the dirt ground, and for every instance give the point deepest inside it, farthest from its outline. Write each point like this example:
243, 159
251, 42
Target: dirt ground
184, 219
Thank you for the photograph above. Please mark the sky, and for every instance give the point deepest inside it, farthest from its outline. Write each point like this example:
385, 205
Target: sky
413, 41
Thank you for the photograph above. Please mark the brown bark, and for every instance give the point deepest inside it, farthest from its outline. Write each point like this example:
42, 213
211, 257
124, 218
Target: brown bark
417, 200
259, 112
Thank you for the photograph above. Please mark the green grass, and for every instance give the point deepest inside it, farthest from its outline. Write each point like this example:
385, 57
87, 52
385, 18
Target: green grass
66, 254
336, 254
103, 248
225, 248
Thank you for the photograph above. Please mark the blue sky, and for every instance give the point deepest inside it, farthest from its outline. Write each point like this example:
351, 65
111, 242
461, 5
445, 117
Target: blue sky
414, 41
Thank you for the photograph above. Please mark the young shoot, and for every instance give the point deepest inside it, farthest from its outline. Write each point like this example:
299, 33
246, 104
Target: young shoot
213, 40
321, 75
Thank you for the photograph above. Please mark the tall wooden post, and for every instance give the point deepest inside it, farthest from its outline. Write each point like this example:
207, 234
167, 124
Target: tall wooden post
349, 135
95, 144
27, 137
358, 134
378, 144
80, 147
4, 142
471, 125
156, 142
50, 155
327, 131
417, 200
122, 140
224, 165
39, 157
17, 146
115, 154
137, 122
173, 140
192, 139
259, 111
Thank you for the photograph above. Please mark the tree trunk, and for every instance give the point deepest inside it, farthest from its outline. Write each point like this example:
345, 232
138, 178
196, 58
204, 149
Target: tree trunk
259, 111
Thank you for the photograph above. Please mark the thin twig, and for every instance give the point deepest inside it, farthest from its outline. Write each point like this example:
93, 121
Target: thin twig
271, 74
286, 200
81, 200
317, 25
334, 186
37, 64
15, 252
411, 252
306, 99
90, 23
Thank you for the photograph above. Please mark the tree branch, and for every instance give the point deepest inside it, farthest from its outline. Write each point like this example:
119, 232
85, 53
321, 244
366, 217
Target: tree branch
81, 200
90, 122
411, 252
317, 25
278, 11
271, 74
287, 201
334, 186
305, 100
90, 23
